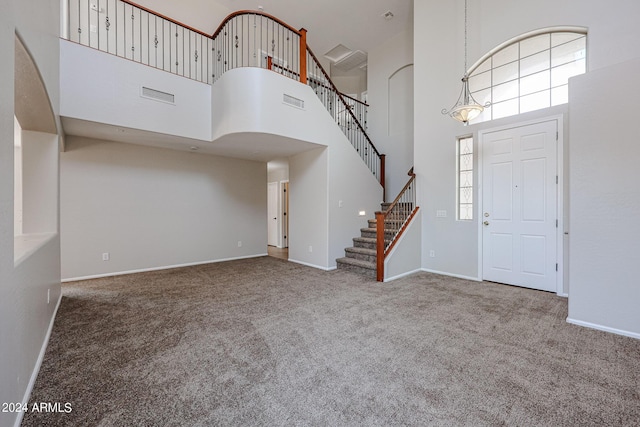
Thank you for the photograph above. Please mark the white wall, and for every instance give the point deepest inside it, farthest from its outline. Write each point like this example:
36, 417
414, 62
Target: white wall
39, 182
390, 90
308, 211
30, 290
439, 61
17, 187
250, 100
107, 89
605, 200
153, 207
405, 256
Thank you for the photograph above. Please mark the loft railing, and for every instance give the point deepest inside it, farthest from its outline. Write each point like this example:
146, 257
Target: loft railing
391, 223
344, 115
243, 39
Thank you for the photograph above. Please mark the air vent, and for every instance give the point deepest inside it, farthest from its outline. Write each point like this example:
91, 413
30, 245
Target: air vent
293, 101
351, 61
158, 95
337, 53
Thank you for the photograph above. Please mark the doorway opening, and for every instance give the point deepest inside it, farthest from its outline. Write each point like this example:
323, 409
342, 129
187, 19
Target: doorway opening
278, 208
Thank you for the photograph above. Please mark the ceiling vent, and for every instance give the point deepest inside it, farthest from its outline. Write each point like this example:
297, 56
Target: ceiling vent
355, 59
337, 53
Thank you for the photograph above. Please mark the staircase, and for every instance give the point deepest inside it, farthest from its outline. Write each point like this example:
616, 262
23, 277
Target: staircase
361, 258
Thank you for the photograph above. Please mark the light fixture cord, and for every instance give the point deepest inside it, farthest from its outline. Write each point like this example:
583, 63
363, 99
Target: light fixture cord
465, 38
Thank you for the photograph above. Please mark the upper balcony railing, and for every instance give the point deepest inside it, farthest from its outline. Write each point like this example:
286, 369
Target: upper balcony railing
243, 39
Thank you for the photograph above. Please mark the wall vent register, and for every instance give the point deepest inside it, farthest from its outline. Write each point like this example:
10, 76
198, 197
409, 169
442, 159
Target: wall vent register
157, 95
293, 101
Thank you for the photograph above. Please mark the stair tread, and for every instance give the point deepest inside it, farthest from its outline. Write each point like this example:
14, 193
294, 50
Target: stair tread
361, 251
374, 230
357, 262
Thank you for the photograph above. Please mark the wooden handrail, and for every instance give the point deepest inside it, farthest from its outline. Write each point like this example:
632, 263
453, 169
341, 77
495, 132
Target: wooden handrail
406, 186
334, 88
356, 100
252, 12
159, 15
381, 250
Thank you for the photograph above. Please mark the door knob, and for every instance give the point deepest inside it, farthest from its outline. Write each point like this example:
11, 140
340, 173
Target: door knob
486, 223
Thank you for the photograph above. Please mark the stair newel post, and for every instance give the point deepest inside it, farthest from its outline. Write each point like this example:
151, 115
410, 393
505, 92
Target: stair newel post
382, 177
380, 246
303, 56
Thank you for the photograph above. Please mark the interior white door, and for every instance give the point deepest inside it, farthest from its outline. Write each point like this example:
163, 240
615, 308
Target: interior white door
519, 206
272, 212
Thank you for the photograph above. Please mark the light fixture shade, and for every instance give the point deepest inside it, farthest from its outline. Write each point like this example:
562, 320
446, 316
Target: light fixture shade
466, 108
464, 113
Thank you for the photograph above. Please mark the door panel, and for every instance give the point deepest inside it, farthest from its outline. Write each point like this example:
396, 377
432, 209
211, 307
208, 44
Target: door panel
272, 212
519, 206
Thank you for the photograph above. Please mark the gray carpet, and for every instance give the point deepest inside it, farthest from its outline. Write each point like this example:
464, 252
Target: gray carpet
267, 342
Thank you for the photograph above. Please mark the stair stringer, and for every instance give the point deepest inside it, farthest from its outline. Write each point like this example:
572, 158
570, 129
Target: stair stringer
406, 255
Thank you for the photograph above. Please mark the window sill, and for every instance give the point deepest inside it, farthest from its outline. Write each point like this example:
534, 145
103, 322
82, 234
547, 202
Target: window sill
25, 245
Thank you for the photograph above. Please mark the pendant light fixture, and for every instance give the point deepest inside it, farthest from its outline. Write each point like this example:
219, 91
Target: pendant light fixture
466, 108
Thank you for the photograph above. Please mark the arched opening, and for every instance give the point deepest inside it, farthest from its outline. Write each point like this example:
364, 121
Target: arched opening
35, 158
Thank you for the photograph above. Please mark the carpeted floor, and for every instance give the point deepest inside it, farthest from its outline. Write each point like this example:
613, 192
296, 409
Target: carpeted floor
267, 342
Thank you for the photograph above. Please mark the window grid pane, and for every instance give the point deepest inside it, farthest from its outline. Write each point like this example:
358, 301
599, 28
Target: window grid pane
465, 179
529, 75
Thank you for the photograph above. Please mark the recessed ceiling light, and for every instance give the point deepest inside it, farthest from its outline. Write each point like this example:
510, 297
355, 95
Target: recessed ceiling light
388, 15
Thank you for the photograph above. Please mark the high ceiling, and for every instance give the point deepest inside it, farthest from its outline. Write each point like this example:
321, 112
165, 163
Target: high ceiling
357, 24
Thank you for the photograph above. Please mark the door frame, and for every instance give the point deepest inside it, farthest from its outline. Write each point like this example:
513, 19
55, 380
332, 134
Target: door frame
560, 233
283, 231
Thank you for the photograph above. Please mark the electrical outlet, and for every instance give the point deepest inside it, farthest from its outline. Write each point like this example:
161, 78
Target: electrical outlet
432, 253
310, 248
340, 204
106, 256
239, 243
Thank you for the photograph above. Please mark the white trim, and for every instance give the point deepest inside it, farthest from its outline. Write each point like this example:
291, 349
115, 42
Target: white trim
458, 276
603, 328
312, 265
165, 267
560, 206
564, 295
559, 29
36, 368
398, 276
559, 119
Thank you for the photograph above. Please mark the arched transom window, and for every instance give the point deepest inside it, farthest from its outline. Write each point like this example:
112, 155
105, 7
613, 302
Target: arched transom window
529, 72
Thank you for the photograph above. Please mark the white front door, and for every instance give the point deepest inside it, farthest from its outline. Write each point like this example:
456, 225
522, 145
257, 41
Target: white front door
519, 206
272, 212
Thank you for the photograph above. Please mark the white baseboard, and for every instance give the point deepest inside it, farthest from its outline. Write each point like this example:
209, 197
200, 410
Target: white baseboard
603, 328
459, 276
166, 267
564, 295
312, 265
36, 368
398, 276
